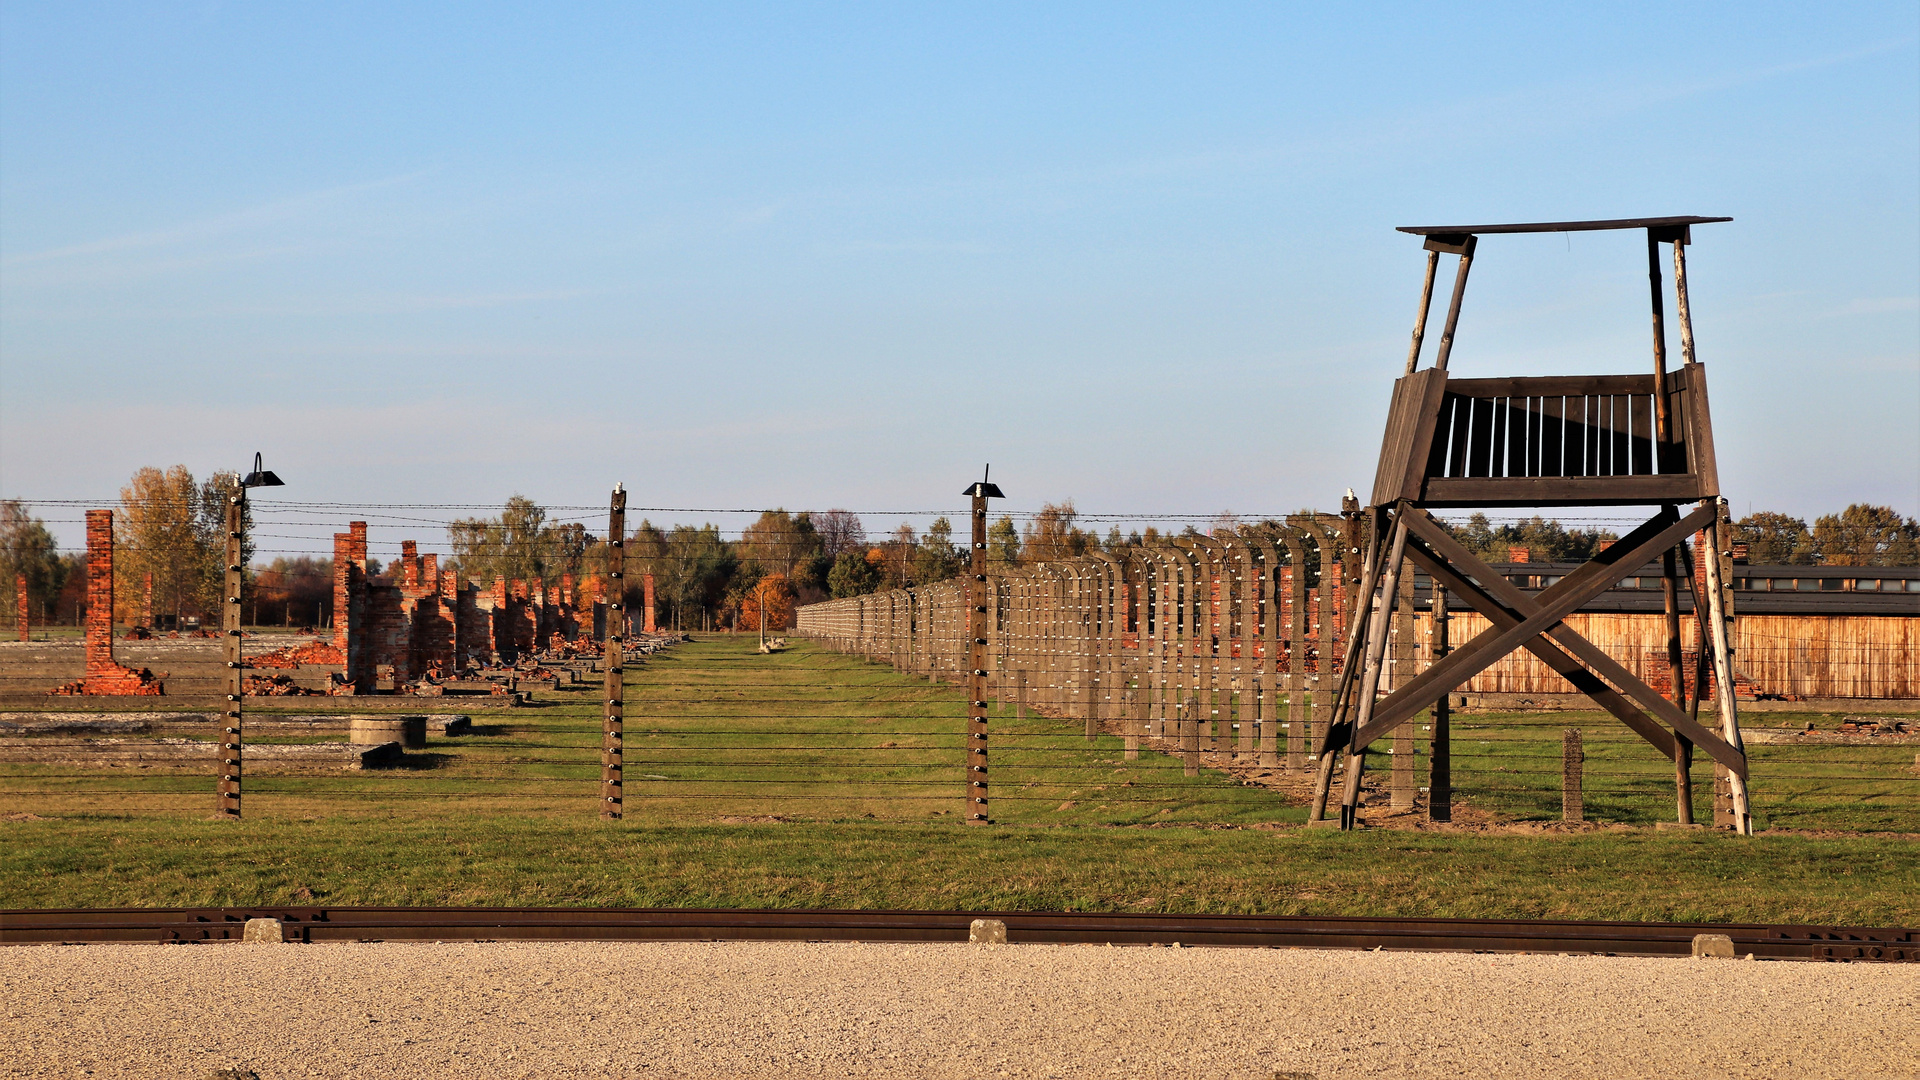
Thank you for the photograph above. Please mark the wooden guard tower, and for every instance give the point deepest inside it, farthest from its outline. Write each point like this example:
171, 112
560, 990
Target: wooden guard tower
1553, 441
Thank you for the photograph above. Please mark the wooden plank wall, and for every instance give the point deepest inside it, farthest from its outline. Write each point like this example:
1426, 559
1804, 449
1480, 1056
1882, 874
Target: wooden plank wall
1804, 656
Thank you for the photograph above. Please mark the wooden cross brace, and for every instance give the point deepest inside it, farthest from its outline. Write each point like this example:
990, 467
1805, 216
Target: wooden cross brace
1534, 622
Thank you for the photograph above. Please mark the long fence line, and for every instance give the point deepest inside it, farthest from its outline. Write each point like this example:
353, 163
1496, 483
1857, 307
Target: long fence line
1227, 647
1239, 621
1219, 643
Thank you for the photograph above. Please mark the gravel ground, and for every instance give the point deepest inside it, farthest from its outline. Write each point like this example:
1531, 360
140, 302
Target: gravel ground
753, 1009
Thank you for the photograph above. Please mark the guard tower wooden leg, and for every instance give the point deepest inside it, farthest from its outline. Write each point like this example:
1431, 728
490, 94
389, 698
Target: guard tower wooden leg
1361, 705
1329, 736
1723, 664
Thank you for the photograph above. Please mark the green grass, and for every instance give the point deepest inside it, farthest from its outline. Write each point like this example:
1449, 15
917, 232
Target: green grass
863, 764
713, 730
514, 860
1509, 765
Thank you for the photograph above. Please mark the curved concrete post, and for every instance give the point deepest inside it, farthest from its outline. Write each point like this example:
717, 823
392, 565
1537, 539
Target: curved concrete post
1213, 587
1301, 625
1273, 559
1243, 634
1196, 635
1113, 625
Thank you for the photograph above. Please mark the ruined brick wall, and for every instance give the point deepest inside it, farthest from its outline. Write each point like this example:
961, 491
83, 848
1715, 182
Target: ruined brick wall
523, 619
500, 622
384, 635
425, 621
433, 622
474, 624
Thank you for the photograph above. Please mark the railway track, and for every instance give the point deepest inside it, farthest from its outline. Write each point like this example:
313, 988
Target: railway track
319, 924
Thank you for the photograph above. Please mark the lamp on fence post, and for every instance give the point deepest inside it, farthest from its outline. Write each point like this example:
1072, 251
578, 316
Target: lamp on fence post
228, 769
977, 653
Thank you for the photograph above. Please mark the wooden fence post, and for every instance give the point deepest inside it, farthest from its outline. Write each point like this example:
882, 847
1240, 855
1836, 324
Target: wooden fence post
613, 721
977, 643
231, 738
1440, 765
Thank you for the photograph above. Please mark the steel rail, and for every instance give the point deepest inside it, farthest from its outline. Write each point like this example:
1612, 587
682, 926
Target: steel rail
321, 924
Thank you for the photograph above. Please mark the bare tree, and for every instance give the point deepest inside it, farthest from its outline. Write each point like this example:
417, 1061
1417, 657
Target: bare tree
840, 530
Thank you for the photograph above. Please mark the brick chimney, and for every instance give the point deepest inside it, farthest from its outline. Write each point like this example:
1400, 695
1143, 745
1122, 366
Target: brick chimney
1519, 553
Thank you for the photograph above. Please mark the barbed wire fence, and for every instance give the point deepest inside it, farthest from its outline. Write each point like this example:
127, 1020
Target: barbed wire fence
1173, 681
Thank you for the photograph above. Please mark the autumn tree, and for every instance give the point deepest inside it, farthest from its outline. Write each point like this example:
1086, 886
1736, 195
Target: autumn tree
293, 591
1052, 534
28, 549
158, 530
853, 574
1775, 539
779, 543
937, 558
520, 544
1867, 535
1003, 542
839, 530
776, 592
1545, 540
897, 555
695, 568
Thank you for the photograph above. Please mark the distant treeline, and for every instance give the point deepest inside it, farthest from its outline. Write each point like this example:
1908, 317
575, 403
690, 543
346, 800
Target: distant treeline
169, 525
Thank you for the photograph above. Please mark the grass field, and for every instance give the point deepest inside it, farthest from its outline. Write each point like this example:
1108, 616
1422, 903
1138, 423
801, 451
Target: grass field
808, 778
514, 860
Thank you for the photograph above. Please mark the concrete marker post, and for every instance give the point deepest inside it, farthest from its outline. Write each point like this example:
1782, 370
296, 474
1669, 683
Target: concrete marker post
1573, 756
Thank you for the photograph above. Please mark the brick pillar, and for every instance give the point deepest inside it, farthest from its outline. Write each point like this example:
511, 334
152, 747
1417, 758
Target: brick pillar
350, 605
104, 674
100, 591
20, 594
647, 583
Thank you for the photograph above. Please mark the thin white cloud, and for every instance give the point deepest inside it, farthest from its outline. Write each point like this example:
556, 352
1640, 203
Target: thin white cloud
1881, 305
274, 212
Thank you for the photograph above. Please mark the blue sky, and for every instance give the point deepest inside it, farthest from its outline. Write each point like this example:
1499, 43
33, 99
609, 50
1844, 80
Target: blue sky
743, 256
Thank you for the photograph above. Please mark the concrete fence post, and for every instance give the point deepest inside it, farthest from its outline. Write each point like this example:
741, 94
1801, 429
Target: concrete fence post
1573, 757
1190, 734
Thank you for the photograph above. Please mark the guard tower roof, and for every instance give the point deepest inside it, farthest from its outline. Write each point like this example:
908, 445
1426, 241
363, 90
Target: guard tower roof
1558, 226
